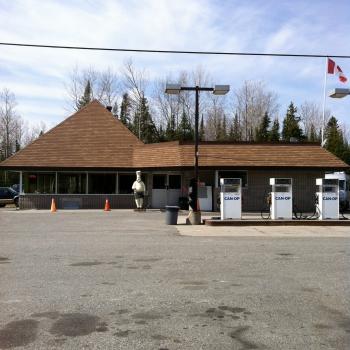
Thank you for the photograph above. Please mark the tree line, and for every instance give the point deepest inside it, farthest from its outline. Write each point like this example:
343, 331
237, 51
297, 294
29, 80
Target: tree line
252, 114
249, 113
15, 132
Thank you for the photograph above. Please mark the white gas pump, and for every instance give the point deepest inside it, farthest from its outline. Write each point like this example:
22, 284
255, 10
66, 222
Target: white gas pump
281, 198
230, 198
327, 197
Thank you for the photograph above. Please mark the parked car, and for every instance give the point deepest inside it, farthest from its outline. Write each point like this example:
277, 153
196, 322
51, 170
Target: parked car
8, 196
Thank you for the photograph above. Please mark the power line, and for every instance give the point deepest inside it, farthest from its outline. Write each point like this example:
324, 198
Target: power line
223, 53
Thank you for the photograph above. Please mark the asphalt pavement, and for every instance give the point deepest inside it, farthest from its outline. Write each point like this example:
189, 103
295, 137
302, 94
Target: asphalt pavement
125, 280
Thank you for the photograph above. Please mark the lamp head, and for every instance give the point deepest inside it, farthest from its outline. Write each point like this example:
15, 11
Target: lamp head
221, 89
172, 89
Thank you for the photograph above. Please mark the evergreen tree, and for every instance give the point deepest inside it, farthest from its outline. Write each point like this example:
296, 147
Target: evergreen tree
218, 131
148, 130
87, 97
334, 138
185, 130
170, 131
235, 130
161, 134
125, 109
274, 134
313, 137
201, 130
291, 128
262, 131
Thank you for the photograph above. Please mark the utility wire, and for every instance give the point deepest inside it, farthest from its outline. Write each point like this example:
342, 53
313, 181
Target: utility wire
223, 53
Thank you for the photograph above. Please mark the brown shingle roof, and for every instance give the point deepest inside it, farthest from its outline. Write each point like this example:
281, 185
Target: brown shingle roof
93, 138
236, 155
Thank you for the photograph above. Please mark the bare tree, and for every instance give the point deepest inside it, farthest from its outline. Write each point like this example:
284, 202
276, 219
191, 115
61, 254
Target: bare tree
135, 82
32, 132
251, 101
105, 86
215, 116
311, 117
8, 123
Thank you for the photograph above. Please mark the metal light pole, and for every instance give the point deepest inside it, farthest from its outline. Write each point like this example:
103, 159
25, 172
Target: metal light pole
175, 89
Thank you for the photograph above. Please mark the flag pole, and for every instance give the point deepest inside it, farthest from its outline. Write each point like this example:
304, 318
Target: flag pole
324, 101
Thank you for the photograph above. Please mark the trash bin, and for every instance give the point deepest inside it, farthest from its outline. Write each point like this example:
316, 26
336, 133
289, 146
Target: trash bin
171, 213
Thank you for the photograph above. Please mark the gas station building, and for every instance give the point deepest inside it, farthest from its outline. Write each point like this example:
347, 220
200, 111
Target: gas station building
92, 156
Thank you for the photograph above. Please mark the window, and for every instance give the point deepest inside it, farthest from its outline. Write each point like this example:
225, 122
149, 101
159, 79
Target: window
126, 181
71, 183
159, 181
102, 183
39, 182
174, 182
233, 174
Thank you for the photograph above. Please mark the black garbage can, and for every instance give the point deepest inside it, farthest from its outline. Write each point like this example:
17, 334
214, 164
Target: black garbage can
171, 214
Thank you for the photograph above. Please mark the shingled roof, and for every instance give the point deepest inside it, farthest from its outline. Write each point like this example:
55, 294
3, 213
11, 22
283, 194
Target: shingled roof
93, 138
213, 154
90, 138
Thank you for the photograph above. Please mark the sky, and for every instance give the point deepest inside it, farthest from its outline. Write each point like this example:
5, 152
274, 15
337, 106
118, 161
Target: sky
38, 77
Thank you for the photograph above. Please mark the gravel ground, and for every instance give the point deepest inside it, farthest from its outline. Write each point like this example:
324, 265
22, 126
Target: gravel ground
124, 280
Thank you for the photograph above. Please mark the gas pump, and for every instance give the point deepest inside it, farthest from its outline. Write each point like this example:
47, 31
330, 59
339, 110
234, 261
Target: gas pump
231, 198
281, 198
327, 198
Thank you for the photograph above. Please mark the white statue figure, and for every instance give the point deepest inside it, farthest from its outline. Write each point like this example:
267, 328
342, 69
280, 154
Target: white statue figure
139, 189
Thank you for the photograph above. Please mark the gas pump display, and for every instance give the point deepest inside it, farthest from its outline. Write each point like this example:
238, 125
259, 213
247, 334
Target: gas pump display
327, 197
230, 198
281, 199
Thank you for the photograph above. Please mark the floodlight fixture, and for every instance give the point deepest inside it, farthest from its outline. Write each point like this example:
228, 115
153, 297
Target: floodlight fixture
172, 89
221, 89
339, 93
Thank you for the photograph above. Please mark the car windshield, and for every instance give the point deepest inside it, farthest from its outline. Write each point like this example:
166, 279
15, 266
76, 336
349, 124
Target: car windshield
342, 184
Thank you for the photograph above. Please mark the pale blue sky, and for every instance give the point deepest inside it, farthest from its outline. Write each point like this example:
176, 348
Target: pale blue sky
37, 77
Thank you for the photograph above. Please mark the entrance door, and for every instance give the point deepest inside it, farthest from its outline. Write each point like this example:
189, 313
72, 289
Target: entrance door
159, 191
166, 190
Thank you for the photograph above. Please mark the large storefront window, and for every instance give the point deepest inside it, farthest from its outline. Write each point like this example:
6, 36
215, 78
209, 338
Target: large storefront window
102, 183
125, 182
71, 183
39, 182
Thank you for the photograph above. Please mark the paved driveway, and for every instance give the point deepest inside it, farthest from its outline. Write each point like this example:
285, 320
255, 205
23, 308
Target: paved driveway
124, 280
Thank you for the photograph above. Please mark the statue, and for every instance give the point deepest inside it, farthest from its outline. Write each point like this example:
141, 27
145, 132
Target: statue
139, 189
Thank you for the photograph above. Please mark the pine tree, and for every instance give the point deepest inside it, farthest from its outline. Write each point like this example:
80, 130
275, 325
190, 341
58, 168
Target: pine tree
334, 138
262, 131
185, 130
201, 130
86, 98
149, 132
218, 131
224, 128
235, 130
125, 109
313, 137
291, 128
170, 131
274, 134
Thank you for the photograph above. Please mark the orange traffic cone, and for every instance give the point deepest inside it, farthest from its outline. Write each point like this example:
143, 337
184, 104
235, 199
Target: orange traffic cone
53, 206
107, 206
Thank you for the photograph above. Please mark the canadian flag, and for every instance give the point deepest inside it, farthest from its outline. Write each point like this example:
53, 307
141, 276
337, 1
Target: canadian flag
333, 68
